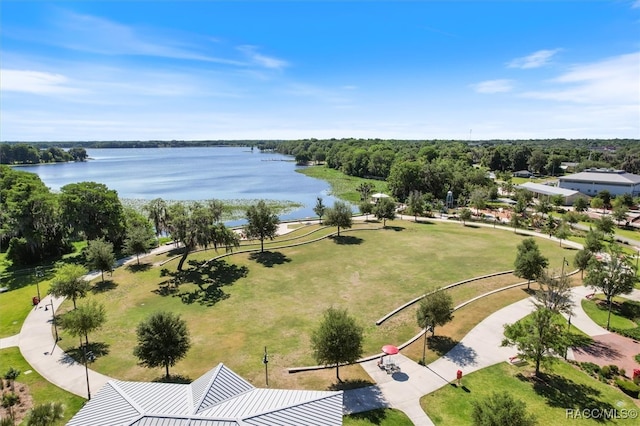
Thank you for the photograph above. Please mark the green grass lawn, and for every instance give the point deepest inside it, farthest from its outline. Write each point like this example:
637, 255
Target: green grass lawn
598, 310
15, 305
560, 389
343, 186
381, 417
277, 299
41, 390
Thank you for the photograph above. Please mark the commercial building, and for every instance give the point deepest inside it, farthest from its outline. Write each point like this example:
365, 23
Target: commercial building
218, 398
592, 181
547, 191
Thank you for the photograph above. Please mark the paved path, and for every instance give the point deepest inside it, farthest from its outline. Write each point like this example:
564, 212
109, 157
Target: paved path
402, 390
478, 349
37, 345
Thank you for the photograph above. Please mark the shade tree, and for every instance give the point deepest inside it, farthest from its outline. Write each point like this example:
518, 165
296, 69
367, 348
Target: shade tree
435, 309
99, 254
85, 319
581, 260
93, 211
339, 216
162, 341
612, 274
529, 263
385, 209
69, 282
416, 204
262, 223
538, 337
337, 340
465, 215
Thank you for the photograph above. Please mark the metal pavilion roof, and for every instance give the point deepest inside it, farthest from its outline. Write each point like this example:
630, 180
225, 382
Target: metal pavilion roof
547, 189
603, 176
219, 398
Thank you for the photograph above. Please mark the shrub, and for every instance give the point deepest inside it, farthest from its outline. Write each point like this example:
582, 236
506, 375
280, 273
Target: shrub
628, 387
605, 374
590, 368
637, 357
632, 333
615, 371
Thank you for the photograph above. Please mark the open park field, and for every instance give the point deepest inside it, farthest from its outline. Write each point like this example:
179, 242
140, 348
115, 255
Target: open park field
247, 301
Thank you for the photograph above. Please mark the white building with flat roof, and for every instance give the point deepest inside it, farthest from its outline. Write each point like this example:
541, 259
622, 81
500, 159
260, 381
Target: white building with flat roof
592, 181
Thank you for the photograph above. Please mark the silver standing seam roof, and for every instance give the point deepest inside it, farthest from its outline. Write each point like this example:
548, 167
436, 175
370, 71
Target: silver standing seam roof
547, 189
603, 176
219, 398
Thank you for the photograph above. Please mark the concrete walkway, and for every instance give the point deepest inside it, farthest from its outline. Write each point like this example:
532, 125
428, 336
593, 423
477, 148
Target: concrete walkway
37, 345
402, 390
478, 349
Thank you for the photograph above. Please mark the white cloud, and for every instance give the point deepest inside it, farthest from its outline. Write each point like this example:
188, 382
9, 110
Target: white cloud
535, 60
262, 60
87, 33
635, 4
613, 80
493, 86
36, 82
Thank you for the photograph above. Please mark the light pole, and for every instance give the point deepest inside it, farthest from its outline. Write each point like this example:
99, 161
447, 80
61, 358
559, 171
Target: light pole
53, 318
265, 361
564, 262
39, 275
86, 369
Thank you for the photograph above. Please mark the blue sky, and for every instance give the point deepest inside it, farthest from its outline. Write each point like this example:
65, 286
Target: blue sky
127, 70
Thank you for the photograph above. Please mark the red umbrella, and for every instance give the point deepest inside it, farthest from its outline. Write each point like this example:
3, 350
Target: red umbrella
390, 349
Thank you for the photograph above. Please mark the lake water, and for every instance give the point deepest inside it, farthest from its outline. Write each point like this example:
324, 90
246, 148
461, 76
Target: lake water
224, 173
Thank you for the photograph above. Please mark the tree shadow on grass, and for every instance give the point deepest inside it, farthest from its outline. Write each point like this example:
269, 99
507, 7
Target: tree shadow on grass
103, 286
95, 350
269, 258
424, 222
134, 267
441, 344
565, 393
395, 228
375, 417
173, 378
346, 240
350, 384
209, 276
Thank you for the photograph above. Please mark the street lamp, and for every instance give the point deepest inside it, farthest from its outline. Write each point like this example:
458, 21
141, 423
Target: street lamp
39, 275
53, 318
564, 262
265, 361
86, 368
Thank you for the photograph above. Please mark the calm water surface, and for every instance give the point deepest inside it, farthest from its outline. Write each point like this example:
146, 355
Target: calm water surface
225, 173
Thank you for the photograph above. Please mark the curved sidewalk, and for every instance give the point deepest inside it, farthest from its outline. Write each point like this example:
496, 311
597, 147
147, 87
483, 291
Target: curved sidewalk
480, 348
37, 345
